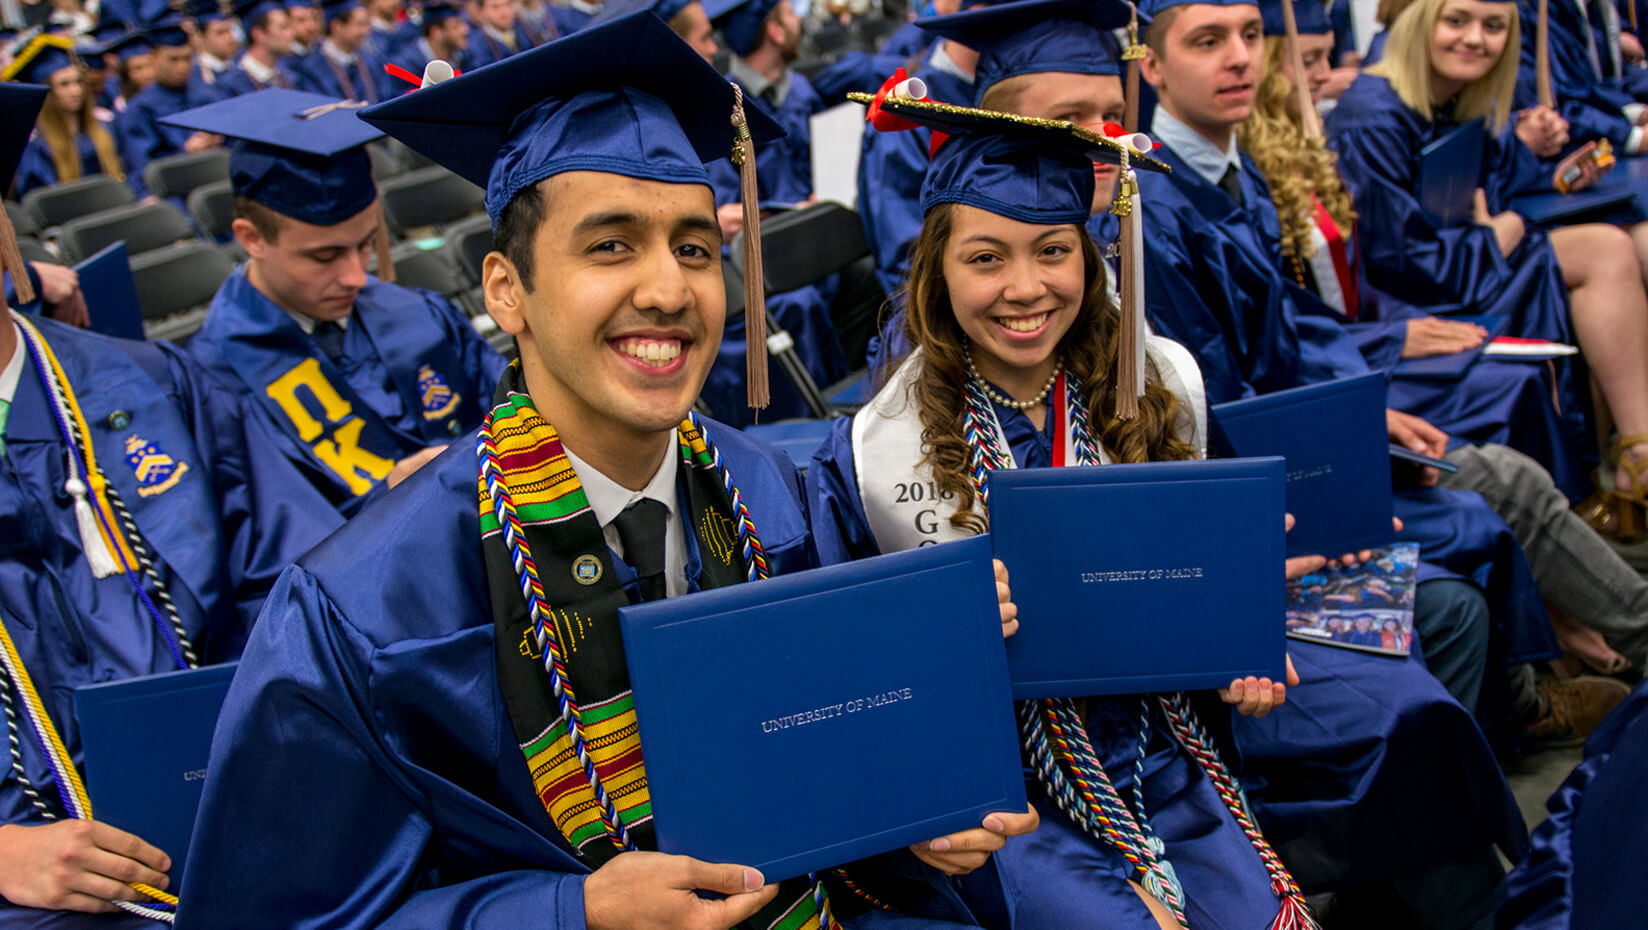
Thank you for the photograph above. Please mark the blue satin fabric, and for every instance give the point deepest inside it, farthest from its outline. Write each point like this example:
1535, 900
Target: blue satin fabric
484, 50
1590, 103
783, 167
393, 332
1585, 870
313, 73
371, 676
238, 81
143, 138
199, 91
907, 40
568, 20
234, 520
860, 71
386, 44
36, 168
891, 167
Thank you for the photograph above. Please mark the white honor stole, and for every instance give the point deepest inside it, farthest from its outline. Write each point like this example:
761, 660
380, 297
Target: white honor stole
902, 500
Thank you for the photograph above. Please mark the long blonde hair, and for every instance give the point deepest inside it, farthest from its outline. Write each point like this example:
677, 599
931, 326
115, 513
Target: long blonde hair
1407, 65
1295, 167
57, 126
1088, 349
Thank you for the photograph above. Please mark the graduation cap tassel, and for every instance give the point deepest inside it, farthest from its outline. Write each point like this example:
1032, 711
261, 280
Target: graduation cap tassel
1542, 55
380, 243
12, 260
1130, 360
1301, 87
1132, 55
758, 390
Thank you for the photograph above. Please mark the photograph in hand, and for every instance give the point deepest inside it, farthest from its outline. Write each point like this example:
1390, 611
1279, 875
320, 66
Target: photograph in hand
1367, 606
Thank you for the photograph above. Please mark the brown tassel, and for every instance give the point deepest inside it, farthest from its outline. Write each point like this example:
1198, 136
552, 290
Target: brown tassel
380, 242
1129, 339
1132, 54
1631, 8
1542, 56
1301, 87
757, 387
12, 260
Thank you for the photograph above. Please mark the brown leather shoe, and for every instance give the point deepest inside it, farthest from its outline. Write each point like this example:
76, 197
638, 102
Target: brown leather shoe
1572, 708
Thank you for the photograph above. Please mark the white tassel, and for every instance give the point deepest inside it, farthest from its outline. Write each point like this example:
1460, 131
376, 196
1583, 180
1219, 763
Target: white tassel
1135, 218
97, 552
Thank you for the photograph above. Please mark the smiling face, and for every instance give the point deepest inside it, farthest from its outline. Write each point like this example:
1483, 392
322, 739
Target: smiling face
1084, 99
624, 311
1314, 53
1470, 36
1015, 288
1205, 64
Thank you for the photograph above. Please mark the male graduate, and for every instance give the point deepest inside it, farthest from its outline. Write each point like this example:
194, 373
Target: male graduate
140, 526
143, 137
339, 66
268, 42
388, 32
306, 27
215, 47
497, 34
445, 36
362, 379
388, 684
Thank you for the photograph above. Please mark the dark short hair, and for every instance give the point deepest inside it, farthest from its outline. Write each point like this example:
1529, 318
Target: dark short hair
1155, 34
517, 229
263, 219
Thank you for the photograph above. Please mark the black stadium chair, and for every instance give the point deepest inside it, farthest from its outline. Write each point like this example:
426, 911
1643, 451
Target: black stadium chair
177, 175
142, 227
467, 243
213, 208
22, 222
426, 268
807, 245
428, 197
175, 279
59, 203
34, 251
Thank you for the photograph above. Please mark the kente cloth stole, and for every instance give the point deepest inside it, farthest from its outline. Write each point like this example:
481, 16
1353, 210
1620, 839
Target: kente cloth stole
567, 558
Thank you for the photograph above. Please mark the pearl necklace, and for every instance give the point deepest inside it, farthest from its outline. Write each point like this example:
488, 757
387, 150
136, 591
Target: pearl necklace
1008, 402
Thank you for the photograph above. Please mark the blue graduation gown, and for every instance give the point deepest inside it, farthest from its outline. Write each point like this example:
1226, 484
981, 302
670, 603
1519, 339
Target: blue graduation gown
567, 19
1342, 776
363, 80
484, 49
202, 88
36, 168
385, 44
143, 138
234, 518
1590, 104
907, 41
891, 167
783, 167
1585, 868
1212, 284
1059, 876
415, 374
371, 675
415, 56
855, 70
238, 81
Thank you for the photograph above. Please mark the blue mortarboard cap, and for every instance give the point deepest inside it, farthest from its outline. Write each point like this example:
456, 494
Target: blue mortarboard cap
301, 155
205, 11
628, 98
1310, 16
306, 4
251, 11
19, 107
41, 58
439, 12
1152, 8
336, 9
1035, 37
1031, 170
740, 21
132, 43
665, 10
167, 32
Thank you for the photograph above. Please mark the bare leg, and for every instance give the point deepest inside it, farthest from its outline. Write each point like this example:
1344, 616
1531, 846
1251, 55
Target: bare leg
1639, 241
1610, 313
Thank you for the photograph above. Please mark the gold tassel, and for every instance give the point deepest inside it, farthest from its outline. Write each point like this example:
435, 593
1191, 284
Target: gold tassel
380, 242
1130, 331
1132, 55
12, 260
757, 387
1301, 86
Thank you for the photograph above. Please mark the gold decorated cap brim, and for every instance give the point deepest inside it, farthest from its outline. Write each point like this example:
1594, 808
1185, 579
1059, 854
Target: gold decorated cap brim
37, 46
949, 118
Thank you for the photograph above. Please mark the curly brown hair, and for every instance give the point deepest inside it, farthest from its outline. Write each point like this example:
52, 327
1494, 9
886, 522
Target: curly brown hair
1293, 166
1088, 349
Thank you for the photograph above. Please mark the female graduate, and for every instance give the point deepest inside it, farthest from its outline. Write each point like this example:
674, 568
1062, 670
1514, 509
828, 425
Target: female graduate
1505, 402
1006, 309
1449, 62
70, 140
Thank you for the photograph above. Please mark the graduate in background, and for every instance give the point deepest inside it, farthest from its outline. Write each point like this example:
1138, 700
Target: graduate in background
389, 31
141, 524
364, 380
1449, 62
338, 66
143, 138
306, 27
686, 17
216, 44
1595, 100
268, 43
70, 141
390, 665
134, 67
573, 15
445, 36
496, 35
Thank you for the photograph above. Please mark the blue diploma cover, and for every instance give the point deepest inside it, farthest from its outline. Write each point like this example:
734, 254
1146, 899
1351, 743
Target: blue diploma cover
144, 742
1140, 578
1338, 452
809, 720
1450, 171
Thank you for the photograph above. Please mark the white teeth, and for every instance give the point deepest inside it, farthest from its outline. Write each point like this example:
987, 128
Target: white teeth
1023, 324
652, 351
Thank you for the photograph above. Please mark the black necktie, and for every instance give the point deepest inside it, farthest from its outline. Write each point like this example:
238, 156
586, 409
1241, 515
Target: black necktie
329, 336
771, 96
1231, 183
641, 527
